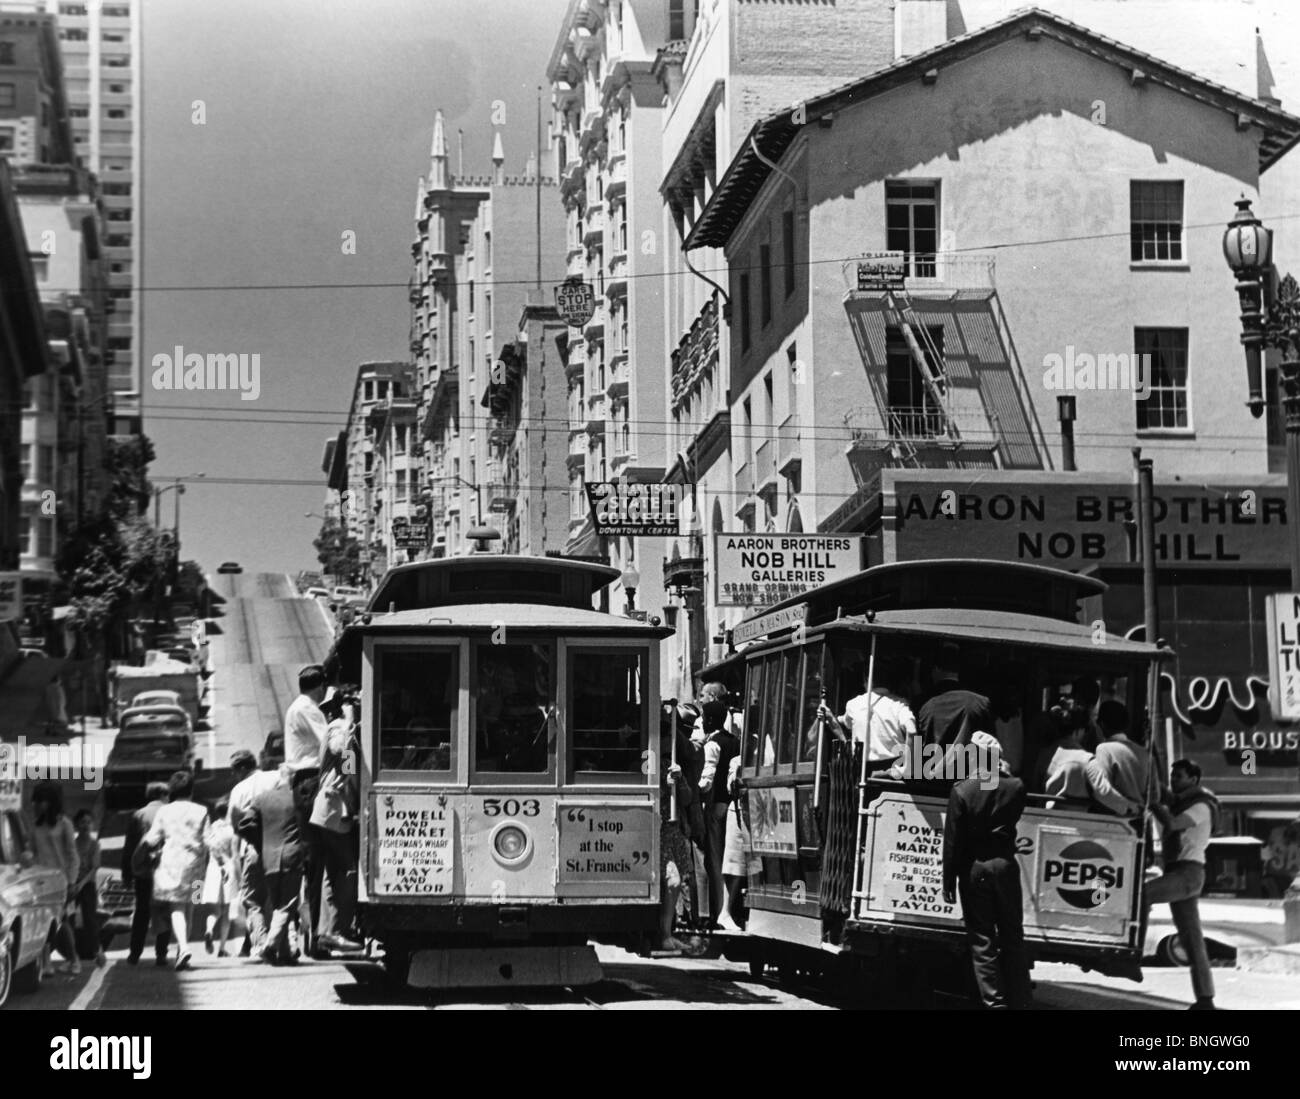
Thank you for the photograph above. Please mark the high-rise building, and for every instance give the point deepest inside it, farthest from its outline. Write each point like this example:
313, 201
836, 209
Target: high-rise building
101, 61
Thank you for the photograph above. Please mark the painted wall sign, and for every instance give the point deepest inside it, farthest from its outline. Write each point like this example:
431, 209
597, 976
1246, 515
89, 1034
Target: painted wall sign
772, 828
1071, 523
757, 570
414, 847
599, 843
1283, 610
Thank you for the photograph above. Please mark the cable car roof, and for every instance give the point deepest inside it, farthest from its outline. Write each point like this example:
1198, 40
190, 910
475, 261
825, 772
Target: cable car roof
344, 661
491, 577
967, 624
1009, 586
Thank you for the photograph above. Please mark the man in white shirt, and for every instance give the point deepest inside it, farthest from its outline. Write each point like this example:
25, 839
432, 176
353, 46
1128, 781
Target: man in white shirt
305, 728
1123, 759
1189, 821
892, 721
249, 782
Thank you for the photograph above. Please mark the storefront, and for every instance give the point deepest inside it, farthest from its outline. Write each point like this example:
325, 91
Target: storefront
1220, 549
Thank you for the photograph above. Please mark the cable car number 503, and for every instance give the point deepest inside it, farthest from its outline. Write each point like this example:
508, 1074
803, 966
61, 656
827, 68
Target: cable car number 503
511, 807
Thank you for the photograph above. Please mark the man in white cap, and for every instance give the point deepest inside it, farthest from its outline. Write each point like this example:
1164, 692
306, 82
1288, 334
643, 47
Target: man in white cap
979, 858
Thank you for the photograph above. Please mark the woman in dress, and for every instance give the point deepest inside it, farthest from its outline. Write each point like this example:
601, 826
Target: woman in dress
221, 885
181, 832
55, 847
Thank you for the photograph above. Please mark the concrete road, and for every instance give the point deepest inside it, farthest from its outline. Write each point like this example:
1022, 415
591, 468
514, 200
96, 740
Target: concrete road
631, 982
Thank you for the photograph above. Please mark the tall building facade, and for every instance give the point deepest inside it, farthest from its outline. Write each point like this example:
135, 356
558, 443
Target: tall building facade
485, 247
607, 136
100, 47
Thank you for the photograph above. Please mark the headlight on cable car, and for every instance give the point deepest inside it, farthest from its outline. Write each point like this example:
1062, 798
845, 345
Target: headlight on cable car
511, 843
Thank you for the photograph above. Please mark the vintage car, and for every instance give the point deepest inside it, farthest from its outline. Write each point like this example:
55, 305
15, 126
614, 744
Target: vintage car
139, 756
31, 903
157, 698
159, 717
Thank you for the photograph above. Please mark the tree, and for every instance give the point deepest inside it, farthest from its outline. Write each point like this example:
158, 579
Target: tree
337, 551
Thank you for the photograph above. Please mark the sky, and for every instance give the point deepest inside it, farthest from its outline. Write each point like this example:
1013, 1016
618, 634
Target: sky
272, 128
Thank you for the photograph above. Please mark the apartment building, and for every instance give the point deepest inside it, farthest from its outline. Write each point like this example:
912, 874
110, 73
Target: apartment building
607, 132
485, 247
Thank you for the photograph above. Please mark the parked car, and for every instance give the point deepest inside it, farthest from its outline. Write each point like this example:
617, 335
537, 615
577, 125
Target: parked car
157, 698
158, 718
142, 755
31, 905
317, 593
230, 566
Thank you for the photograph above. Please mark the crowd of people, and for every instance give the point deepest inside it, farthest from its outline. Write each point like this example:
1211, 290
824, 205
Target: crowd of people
259, 858
704, 850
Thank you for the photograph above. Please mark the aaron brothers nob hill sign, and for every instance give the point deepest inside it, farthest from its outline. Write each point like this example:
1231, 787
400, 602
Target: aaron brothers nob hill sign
1071, 522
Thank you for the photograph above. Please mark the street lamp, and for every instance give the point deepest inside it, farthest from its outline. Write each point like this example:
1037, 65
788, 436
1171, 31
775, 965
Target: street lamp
631, 581
1270, 317
178, 483
478, 494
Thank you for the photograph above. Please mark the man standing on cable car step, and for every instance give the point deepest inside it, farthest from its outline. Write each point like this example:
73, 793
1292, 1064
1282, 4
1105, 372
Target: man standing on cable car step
951, 713
979, 858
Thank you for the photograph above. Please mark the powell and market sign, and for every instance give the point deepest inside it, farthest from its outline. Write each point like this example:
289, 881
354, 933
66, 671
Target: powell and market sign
1067, 522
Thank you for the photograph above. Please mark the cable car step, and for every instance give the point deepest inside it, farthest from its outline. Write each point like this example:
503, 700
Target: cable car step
505, 967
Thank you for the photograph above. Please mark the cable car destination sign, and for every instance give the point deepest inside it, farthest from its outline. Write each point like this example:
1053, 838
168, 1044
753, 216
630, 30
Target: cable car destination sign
622, 508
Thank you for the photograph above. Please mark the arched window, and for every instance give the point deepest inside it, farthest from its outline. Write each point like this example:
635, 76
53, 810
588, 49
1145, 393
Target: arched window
794, 521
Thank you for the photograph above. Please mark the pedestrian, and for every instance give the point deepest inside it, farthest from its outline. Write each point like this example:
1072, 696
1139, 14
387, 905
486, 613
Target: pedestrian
221, 882
304, 738
272, 825
1122, 755
86, 888
979, 860
55, 847
1189, 820
1070, 772
887, 734
952, 713
738, 859
1008, 717
252, 885
334, 818
675, 854
180, 834
720, 747
138, 863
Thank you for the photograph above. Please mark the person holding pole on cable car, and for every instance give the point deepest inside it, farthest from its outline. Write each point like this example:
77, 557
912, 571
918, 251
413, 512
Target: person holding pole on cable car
720, 747
879, 718
979, 859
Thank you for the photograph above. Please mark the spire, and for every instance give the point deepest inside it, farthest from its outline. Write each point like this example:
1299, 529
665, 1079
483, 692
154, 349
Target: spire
438, 155
498, 158
419, 206
1264, 73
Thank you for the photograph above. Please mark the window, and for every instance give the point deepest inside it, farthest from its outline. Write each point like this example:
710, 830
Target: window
27, 461
368, 391
791, 694
1163, 355
418, 706
399, 439
381, 390
812, 693
6, 53
753, 714
116, 112
25, 534
74, 34
44, 537
514, 708
400, 495
912, 224
7, 95
45, 464
609, 716
913, 412
765, 281
744, 312
1156, 221
768, 709
6, 140
676, 19
787, 234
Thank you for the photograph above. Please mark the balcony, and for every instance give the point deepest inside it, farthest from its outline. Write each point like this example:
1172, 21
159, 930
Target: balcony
926, 437
618, 377
956, 273
616, 184
788, 455
616, 284
765, 468
595, 328
503, 495
596, 415
502, 431
696, 354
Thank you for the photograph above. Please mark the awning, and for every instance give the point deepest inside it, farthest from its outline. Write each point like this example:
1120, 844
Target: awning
586, 542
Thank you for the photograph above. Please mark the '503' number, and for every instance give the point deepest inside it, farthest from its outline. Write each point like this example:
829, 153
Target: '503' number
511, 807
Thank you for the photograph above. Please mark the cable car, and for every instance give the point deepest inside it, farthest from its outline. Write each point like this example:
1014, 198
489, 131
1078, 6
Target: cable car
852, 860
510, 800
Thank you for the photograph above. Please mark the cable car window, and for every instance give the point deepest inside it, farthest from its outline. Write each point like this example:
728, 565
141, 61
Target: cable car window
771, 700
812, 696
753, 712
514, 708
791, 689
418, 697
607, 716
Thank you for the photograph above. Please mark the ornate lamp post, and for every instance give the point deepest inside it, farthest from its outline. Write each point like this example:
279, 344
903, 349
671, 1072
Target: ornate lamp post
631, 581
1270, 317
